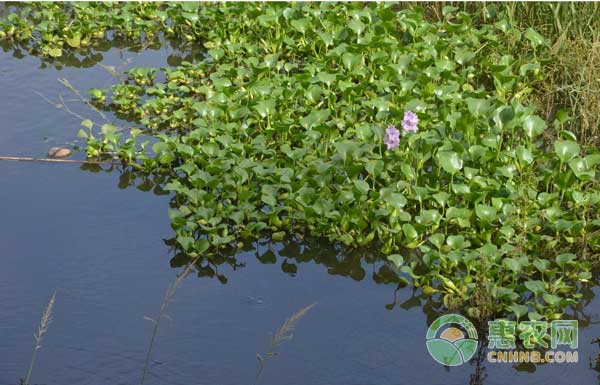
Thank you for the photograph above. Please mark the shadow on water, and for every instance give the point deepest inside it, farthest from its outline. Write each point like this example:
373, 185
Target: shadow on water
354, 264
296, 250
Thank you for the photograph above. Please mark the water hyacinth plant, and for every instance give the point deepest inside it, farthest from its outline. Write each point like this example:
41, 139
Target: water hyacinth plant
280, 131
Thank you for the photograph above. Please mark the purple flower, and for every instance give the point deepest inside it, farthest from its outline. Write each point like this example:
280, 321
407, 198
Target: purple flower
410, 122
392, 137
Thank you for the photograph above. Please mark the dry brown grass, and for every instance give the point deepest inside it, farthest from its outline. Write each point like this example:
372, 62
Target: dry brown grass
573, 82
572, 72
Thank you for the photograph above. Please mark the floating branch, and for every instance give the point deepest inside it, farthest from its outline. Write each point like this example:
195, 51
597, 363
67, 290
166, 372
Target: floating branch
50, 160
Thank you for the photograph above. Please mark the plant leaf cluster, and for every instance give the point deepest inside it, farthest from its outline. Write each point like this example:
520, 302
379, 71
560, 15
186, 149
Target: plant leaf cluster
279, 131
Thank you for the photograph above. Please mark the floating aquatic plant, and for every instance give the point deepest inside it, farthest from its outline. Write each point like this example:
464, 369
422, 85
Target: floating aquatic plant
280, 131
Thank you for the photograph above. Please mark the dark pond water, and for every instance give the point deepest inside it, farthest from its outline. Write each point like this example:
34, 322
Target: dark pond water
101, 249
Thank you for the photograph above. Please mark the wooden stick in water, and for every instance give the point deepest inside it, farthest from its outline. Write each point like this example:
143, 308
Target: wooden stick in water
51, 160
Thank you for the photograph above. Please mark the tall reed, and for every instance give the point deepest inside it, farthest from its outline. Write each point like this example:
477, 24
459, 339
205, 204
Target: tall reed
284, 333
170, 293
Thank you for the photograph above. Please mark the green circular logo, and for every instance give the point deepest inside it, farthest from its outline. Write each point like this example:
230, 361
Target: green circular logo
448, 344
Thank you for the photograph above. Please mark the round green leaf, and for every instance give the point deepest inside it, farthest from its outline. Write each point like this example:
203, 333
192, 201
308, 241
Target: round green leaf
533, 125
396, 259
566, 149
450, 161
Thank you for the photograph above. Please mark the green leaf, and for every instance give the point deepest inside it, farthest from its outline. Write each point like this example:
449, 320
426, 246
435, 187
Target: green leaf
566, 149
185, 242
216, 53
529, 67
486, 213
265, 107
592, 160
581, 168
362, 186
278, 236
396, 259
408, 171
551, 299
201, 245
477, 151
350, 60
87, 124
437, 239
55, 52
536, 287
271, 60
519, 310
301, 25
357, 26
534, 316
441, 198
502, 116
541, 264
108, 129
74, 42
397, 200
314, 119
534, 37
533, 125
327, 38
326, 78
409, 231
564, 259
490, 141
512, 264
450, 161
463, 56
478, 107
456, 242
416, 105
159, 147
268, 199
428, 217
524, 155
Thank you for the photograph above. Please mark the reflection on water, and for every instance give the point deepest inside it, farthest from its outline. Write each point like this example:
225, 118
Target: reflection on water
103, 246
94, 55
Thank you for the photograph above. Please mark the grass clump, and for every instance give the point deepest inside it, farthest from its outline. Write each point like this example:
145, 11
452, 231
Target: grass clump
570, 90
290, 125
572, 73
